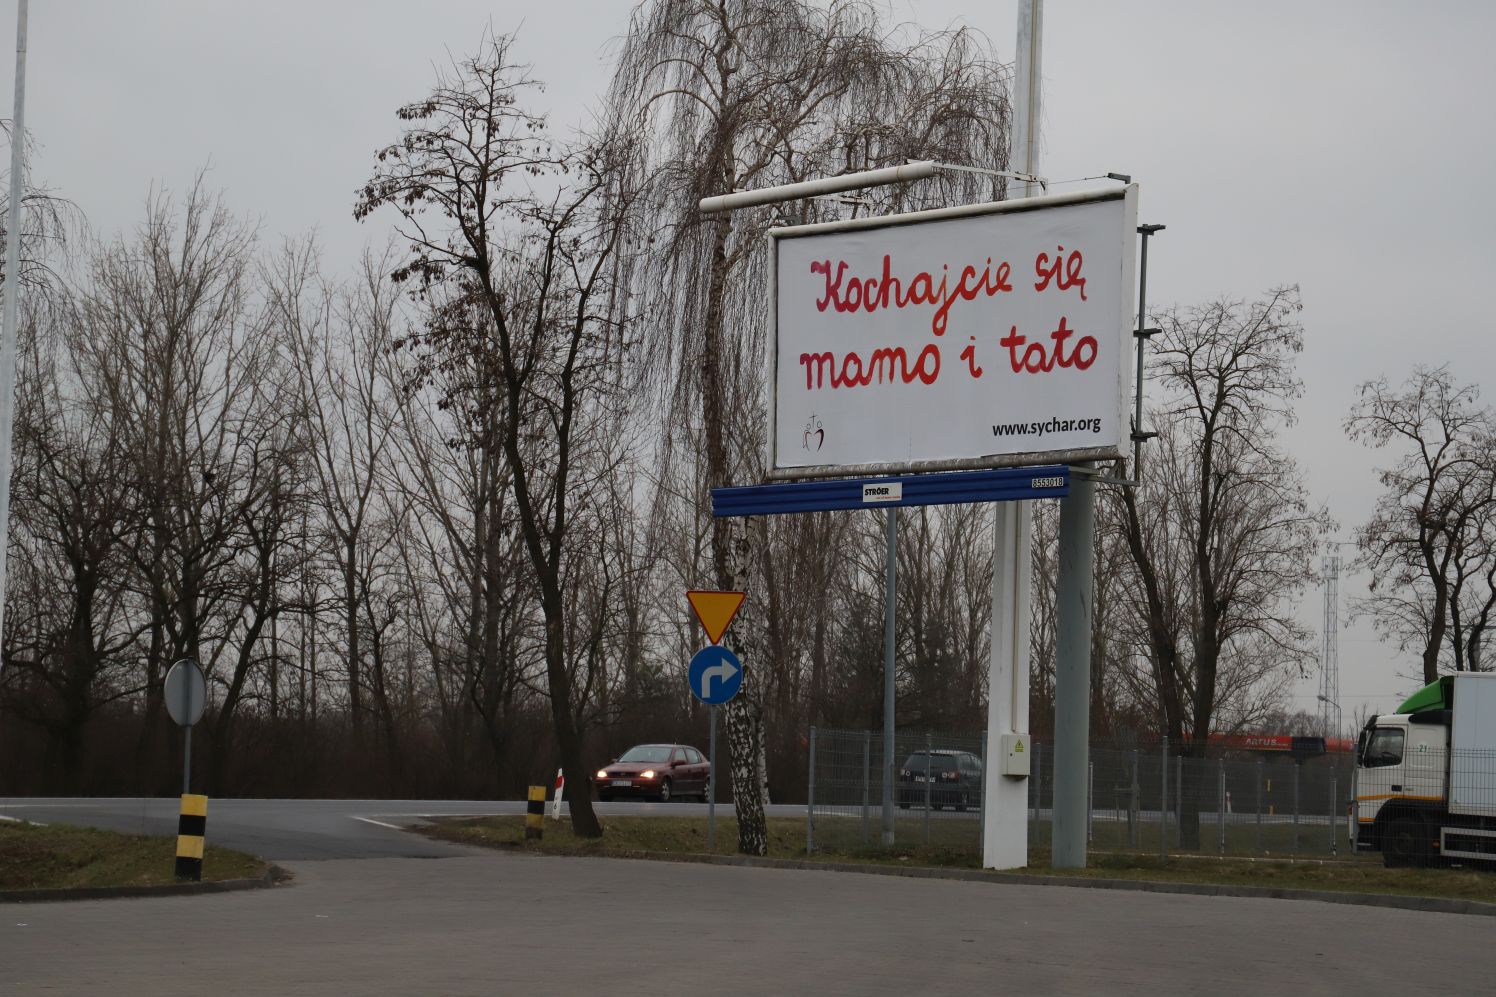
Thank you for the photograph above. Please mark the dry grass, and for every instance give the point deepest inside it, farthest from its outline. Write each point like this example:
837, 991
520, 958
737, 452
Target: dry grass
37, 857
688, 835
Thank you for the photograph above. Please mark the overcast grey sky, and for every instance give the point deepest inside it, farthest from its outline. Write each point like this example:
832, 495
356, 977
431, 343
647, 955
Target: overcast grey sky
1346, 147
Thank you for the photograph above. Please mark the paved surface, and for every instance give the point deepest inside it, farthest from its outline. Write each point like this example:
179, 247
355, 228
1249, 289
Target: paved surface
491, 923
291, 830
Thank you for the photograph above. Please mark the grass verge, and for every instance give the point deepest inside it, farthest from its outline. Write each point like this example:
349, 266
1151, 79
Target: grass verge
56, 857
627, 836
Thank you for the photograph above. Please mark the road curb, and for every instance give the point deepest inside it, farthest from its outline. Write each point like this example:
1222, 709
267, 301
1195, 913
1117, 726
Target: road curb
1438, 905
274, 876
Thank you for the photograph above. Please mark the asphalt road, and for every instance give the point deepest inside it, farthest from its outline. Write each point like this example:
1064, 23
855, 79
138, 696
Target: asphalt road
498, 923
292, 830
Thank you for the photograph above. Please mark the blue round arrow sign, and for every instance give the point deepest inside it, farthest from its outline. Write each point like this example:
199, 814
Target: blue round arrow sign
716, 675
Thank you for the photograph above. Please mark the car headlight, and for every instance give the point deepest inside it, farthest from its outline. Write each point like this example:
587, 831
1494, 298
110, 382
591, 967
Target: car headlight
602, 773
647, 774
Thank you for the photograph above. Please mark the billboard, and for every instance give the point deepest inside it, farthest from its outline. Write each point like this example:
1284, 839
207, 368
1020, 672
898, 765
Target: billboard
983, 336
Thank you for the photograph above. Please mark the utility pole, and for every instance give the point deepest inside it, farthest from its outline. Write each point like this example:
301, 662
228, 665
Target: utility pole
12, 296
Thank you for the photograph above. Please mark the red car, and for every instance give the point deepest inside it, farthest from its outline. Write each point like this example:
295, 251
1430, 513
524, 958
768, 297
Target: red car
658, 771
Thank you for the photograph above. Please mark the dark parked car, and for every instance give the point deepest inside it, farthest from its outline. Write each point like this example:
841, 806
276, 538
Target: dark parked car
945, 778
659, 771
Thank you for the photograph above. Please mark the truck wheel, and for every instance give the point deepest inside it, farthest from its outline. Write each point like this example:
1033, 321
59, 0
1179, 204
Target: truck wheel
1404, 843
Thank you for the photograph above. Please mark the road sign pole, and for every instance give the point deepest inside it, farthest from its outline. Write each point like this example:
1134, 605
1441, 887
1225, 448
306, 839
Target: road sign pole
711, 783
186, 760
890, 602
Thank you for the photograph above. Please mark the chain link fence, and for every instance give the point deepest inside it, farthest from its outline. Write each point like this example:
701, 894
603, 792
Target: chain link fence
936, 791
1146, 797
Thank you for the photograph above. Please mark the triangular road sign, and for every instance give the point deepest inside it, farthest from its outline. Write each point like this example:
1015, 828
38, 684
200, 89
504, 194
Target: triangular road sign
715, 610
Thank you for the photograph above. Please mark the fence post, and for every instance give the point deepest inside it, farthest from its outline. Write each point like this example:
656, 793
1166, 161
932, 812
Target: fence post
1133, 803
1334, 812
1259, 806
1091, 805
1296, 767
810, 798
867, 779
1221, 804
1179, 801
929, 783
1037, 781
1163, 801
982, 799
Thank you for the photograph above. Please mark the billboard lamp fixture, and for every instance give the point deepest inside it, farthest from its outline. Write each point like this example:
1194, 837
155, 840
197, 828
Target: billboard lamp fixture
815, 188
913, 170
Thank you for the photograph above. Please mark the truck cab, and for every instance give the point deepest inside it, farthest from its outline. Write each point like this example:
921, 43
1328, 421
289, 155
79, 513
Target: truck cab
1400, 771
1425, 779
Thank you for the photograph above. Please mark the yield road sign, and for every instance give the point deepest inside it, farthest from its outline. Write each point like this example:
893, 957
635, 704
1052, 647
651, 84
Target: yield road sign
716, 675
715, 610
186, 692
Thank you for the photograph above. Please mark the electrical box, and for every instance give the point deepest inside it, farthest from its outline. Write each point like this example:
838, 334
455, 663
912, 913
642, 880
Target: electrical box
1014, 751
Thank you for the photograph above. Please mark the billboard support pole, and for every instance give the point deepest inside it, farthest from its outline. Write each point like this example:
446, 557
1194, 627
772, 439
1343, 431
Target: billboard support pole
1074, 584
1004, 800
1073, 606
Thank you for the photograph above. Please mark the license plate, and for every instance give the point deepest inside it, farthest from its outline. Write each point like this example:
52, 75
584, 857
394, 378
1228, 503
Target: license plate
921, 778
622, 782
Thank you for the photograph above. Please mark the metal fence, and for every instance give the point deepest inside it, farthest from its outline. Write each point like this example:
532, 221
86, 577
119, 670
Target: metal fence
931, 808
1145, 798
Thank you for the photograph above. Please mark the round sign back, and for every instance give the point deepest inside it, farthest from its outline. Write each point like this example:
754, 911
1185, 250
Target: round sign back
186, 692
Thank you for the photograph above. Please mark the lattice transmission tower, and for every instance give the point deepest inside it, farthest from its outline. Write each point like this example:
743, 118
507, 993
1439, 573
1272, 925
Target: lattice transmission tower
1329, 659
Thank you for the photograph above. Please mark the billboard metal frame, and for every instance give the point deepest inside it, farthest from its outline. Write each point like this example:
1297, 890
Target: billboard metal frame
1125, 324
1009, 484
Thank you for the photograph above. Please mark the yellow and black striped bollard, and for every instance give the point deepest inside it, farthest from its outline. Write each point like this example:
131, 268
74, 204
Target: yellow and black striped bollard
535, 813
191, 825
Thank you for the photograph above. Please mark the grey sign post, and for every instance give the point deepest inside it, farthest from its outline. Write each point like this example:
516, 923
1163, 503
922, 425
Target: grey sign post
186, 695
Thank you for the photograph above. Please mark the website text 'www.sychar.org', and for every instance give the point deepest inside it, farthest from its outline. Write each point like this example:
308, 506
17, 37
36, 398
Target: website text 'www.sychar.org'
1092, 425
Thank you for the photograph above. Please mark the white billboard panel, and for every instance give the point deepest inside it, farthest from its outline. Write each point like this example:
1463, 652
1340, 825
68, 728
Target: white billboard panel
997, 334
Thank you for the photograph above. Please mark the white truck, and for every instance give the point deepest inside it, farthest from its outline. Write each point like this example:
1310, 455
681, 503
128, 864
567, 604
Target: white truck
1425, 781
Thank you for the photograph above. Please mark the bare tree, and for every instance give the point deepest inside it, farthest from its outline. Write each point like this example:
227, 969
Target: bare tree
740, 93
49, 225
339, 342
520, 283
72, 632
1429, 543
1220, 529
179, 354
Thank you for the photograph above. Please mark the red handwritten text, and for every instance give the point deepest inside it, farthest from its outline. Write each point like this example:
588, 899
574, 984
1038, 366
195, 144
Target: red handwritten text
1035, 359
1048, 271
850, 294
881, 365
